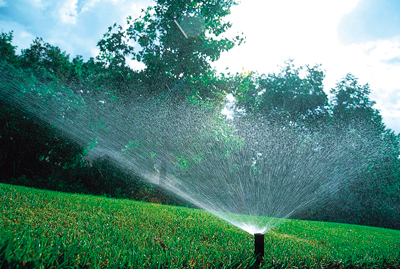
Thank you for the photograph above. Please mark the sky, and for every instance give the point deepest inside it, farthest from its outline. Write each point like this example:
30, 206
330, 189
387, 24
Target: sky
361, 37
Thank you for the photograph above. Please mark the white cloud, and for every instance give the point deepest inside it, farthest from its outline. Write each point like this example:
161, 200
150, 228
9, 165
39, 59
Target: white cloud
117, 1
89, 4
385, 50
68, 12
26, 34
3, 3
40, 4
278, 30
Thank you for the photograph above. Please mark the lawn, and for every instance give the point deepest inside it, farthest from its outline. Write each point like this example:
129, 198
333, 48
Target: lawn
44, 229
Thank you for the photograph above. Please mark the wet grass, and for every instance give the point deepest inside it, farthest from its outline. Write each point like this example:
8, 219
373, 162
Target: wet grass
45, 229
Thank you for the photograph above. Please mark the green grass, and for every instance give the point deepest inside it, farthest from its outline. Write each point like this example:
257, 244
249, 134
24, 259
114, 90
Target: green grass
44, 229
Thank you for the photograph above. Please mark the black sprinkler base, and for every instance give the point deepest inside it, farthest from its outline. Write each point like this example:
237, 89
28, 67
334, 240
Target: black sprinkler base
259, 247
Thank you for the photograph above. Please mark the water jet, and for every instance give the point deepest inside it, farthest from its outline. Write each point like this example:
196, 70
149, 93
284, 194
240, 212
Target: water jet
236, 169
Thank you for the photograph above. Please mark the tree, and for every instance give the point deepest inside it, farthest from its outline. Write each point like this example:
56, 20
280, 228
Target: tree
7, 50
366, 153
285, 97
370, 197
42, 56
352, 107
171, 57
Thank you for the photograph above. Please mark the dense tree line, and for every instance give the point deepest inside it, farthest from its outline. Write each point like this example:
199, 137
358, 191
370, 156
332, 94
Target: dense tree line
36, 153
299, 103
41, 155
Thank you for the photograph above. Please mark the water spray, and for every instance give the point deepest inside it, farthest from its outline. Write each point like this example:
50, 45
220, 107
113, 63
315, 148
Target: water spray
139, 133
259, 247
191, 24
180, 28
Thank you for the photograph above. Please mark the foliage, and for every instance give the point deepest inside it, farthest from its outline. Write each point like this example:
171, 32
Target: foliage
177, 70
31, 147
287, 97
7, 50
51, 229
46, 61
169, 57
372, 197
352, 107
294, 99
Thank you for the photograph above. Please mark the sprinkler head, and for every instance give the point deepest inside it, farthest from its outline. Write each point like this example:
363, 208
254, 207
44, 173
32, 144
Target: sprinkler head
259, 247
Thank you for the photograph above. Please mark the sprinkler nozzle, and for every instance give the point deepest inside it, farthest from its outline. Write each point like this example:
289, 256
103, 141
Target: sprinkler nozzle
259, 247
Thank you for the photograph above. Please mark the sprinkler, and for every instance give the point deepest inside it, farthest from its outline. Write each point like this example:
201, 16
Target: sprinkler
259, 247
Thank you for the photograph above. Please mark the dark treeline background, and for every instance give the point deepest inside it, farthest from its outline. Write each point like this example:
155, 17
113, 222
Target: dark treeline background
35, 153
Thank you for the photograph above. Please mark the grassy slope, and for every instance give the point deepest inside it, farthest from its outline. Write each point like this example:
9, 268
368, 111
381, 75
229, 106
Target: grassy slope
43, 229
